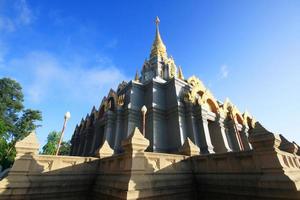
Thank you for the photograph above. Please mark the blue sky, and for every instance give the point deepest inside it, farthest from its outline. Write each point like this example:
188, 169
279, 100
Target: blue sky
68, 54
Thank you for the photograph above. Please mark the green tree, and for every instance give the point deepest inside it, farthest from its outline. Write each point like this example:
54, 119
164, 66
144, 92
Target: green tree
16, 122
51, 145
65, 148
52, 140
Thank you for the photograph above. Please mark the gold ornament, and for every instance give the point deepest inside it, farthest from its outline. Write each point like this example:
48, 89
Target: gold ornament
121, 99
180, 74
158, 48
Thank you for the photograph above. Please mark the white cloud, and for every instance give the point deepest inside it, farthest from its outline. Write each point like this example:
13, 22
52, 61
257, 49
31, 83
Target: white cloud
7, 24
20, 15
224, 71
45, 76
24, 14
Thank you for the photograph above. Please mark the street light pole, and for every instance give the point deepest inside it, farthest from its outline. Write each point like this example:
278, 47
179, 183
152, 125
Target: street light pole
66, 117
144, 110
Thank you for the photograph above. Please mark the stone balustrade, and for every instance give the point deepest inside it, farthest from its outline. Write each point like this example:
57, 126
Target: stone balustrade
36, 176
271, 170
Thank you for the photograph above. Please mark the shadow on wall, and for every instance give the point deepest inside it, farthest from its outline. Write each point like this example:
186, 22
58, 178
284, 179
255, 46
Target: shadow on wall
266, 172
49, 177
257, 174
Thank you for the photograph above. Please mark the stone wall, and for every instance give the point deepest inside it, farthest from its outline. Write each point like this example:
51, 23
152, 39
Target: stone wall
264, 173
147, 175
270, 171
38, 177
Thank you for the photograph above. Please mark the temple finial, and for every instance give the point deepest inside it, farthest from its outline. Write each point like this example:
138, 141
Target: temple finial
158, 47
180, 74
157, 21
136, 78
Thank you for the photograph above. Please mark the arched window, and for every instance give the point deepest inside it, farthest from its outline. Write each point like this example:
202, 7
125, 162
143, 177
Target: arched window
92, 119
101, 112
239, 119
200, 92
111, 104
249, 123
212, 106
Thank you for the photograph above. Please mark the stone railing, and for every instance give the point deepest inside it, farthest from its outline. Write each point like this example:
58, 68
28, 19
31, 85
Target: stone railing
266, 172
36, 176
269, 171
138, 174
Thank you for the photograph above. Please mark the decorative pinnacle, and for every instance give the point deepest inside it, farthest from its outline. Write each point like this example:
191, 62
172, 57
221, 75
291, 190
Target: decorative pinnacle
180, 74
157, 21
144, 109
158, 48
136, 78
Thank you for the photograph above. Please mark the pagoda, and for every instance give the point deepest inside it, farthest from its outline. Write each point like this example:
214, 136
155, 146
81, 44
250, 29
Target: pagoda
175, 108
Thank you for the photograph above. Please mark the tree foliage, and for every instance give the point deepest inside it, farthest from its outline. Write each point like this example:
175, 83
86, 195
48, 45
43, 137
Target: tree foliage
65, 148
16, 122
51, 145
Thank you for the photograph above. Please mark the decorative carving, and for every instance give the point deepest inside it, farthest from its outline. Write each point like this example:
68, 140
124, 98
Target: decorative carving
232, 111
45, 165
29, 145
104, 151
121, 99
248, 119
112, 94
180, 74
136, 142
189, 97
122, 86
189, 148
197, 87
153, 162
172, 67
209, 100
106, 106
200, 95
195, 82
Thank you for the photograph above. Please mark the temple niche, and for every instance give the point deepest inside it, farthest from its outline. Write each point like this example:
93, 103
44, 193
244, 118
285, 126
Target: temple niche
177, 108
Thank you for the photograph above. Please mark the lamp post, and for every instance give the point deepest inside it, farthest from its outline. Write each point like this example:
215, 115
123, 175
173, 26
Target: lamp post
66, 117
144, 110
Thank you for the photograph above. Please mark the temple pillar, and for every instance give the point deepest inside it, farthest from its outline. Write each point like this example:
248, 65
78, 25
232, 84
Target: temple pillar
244, 137
134, 120
109, 128
76, 146
98, 136
93, 141
85, 141
118, 132
232, 136
192, 131
218, 135
81, 144
206, 144
89, 141
72, 145
181, 125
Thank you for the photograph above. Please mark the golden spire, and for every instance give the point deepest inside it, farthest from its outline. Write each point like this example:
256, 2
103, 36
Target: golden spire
136, 78
158, 47
180, 74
